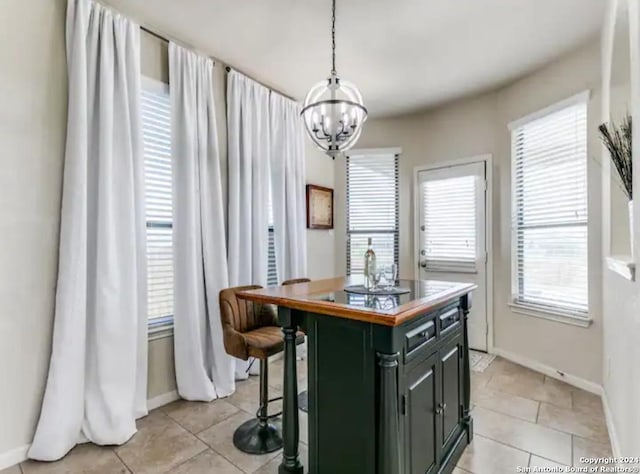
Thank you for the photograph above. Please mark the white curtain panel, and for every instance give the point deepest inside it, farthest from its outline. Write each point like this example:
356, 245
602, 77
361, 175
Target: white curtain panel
97, 380
288, 187
203, 369
248, 188
248, 168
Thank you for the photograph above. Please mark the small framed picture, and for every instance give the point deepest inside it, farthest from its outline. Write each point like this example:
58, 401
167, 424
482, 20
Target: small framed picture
319, 207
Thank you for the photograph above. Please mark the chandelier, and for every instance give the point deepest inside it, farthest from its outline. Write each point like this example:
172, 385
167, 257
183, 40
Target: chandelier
333, 110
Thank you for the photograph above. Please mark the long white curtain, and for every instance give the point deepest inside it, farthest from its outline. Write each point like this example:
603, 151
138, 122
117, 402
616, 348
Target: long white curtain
96, 386
288, 187
248, 173
249, 149
203, 370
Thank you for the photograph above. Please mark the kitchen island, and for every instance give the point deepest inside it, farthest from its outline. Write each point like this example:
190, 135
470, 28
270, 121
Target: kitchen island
388, 376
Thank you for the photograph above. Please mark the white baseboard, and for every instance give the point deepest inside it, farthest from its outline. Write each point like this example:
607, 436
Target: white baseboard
578, 382
13, 457
161, 400
613, 434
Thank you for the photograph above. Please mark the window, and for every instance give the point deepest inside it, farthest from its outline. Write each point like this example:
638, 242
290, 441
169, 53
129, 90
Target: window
372, 208
156, 128
272, 270
549, 250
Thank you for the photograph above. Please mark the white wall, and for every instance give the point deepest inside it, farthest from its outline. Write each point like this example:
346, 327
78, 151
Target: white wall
476, 126
32, 133
621, 297
320, 243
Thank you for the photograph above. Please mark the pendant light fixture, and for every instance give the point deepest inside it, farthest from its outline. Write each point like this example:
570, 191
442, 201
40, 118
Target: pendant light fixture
333, 110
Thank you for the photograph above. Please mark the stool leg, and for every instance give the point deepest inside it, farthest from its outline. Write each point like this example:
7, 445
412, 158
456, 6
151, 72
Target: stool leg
260, 436
264, 391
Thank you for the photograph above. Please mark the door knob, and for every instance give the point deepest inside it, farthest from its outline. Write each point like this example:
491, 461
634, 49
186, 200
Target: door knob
423, 264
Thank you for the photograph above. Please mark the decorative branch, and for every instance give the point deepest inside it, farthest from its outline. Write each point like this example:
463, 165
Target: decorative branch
618, 142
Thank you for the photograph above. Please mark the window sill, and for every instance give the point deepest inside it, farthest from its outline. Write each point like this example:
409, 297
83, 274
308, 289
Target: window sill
623, 266
551, 315
161, 328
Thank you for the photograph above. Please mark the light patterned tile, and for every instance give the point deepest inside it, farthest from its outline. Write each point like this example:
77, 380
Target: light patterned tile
533, 438
220, 439
208, 462
11, 470
85, 458
532, 388
198, 416
585, 424
512, 405
485, 456
585, 402
588, 448
479, 380
247, 397
502, 366
159, 446
546, 464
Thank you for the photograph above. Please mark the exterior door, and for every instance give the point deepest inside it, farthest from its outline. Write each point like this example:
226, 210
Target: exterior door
451, 235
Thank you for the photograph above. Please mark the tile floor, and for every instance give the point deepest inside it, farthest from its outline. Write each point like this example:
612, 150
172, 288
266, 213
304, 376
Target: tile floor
521, 418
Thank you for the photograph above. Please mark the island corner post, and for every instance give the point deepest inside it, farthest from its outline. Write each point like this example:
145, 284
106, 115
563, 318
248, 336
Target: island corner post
389, 392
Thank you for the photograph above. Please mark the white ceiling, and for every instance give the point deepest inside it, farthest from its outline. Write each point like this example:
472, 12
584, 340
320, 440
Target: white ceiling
404, 55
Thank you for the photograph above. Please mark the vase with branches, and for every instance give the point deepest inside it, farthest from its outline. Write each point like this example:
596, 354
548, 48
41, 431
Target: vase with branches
617, 140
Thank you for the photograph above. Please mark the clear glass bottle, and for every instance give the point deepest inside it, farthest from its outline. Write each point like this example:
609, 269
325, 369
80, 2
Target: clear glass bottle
369, 266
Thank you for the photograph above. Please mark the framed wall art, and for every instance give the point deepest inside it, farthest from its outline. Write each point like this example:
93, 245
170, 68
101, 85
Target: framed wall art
319, 207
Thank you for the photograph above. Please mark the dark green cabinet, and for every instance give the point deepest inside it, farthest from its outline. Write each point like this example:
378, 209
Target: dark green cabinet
450, 405
433, 405
387, 400
420, 405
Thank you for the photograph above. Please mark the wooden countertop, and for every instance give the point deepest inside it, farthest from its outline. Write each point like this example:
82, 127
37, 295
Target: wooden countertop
327, 297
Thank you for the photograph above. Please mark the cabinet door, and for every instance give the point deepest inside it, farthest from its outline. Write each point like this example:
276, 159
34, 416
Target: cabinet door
450, 400
420, 416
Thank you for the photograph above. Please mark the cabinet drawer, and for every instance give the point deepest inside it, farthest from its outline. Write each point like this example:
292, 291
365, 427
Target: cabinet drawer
419, 339
449, 320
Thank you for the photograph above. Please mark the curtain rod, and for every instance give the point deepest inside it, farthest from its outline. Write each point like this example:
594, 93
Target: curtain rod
168, 39
228, 69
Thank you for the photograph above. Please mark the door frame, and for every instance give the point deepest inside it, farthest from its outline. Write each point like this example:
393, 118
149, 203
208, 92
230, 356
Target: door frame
487, 159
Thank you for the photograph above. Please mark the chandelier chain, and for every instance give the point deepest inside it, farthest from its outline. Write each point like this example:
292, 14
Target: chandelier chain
333, 38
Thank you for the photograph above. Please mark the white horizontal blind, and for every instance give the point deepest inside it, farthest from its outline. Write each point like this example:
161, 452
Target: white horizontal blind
156, 127
449, 220
372, 209
550, 211
272, 268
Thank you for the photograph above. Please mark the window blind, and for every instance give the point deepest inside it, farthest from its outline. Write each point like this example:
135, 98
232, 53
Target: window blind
272, 267
550, 210
449, 220
156, 128
372, 209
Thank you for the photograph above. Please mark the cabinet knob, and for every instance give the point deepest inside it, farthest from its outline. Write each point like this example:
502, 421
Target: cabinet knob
441, 408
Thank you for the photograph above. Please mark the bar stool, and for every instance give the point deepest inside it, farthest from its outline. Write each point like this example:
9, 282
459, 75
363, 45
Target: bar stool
303, 397
251, 330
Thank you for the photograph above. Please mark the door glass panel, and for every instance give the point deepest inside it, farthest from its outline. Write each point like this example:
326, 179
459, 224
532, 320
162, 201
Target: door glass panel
448, 237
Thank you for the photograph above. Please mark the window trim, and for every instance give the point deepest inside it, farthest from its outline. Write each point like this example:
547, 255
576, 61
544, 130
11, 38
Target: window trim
576, 318
390, 151
161, 327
